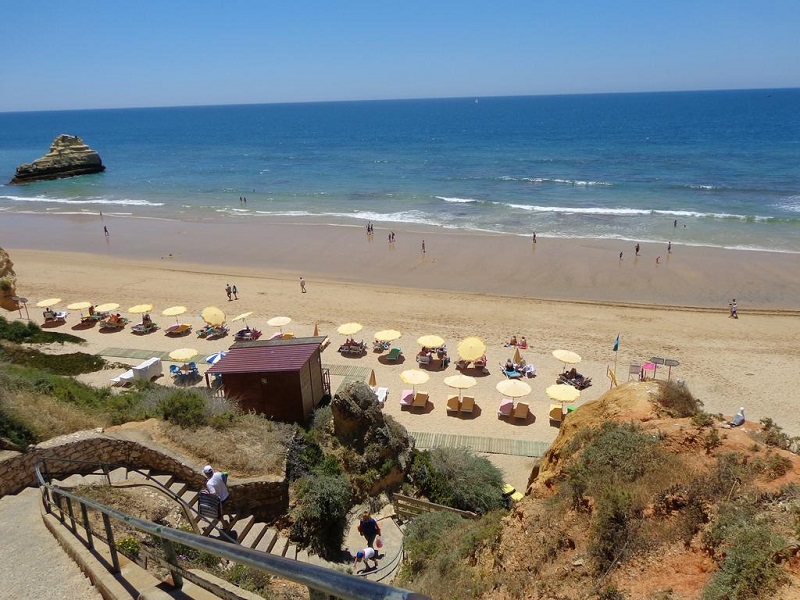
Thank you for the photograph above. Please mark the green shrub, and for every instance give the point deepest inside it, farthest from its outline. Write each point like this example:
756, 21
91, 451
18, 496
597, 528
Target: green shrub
611, 528
772, 465
321, 513
5, 285
773, 435
456, 477
17, 331
712, 440
677, 399
247, 578
185, 408
703, 419
74, 363
129, 546
427, 536
13, 430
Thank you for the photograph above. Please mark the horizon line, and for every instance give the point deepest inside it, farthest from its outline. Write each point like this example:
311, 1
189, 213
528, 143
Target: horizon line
408, 99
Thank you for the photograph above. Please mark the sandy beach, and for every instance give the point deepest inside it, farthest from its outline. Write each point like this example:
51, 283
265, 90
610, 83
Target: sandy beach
572, 294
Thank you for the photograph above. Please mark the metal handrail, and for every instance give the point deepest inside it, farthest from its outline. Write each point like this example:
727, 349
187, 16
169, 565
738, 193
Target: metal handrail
320, 579
192, 515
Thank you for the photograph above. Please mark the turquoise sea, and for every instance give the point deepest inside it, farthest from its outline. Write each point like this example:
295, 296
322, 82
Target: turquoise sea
703, 168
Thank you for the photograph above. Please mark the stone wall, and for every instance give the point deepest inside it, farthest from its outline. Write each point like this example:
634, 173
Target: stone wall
265, 498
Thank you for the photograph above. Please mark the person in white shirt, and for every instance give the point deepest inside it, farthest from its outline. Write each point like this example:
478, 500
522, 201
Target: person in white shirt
367, 554
215, 485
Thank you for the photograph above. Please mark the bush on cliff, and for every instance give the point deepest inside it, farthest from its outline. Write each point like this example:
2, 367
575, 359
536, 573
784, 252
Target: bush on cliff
320, 517
18, 332
73, 363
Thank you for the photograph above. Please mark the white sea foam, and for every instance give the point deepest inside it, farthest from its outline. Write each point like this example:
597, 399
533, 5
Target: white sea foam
458, 200
627, 212
559, 181
81, 200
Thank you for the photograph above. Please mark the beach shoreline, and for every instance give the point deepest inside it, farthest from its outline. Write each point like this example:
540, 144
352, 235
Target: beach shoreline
505, 265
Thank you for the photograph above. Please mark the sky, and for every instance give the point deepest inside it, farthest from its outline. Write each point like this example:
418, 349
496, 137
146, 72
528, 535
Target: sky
72, 55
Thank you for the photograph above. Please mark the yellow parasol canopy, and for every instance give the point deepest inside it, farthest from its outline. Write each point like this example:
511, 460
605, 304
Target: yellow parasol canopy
387, 335
140, 308
562, 393
513, 388
213, 316
372, 381
460, 382
108, 306
48, 303
471, 348
279, 322
566, 356
517, 356
414, 376
430, 341
350, 328
242, 316
79, 305
183, 354
174, 311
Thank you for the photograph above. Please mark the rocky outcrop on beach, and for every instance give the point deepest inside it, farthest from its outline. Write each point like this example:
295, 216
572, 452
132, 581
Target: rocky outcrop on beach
8, 282
68, 157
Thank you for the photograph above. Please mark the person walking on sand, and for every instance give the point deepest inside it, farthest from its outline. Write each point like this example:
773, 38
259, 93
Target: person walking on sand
669, 247
105, 231
235, 292
228, 291
734, 311
367, 554
534, 237
620, 255
637, 249
302, 285
423, 246
658, 259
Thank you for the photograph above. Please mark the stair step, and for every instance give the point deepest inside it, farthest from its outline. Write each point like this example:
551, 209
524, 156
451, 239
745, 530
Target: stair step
178, 487
165, 480
242, 527
291, 551
254, 535
267, 541
279, 549
135, 476
73, 481
302, 555
117, 475
190, 497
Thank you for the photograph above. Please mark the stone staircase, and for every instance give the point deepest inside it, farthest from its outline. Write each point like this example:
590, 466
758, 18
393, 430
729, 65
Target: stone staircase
246, 529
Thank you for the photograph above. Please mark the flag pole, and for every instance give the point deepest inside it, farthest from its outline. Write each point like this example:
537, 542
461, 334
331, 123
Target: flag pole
616, 352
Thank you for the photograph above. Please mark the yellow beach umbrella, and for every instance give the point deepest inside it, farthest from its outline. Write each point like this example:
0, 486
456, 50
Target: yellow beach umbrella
350, 328
471, 348
513, 388
460, 382
48, 303
140, 308
387, 335
213, 316
107, 307
183, 354
430, 341
562, 393
372, 381
414, 377
79, 305
242, 316
567, 357
174, 311
279, 322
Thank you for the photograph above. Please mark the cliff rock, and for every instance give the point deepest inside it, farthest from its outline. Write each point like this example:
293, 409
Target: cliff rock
68, 157
8, 282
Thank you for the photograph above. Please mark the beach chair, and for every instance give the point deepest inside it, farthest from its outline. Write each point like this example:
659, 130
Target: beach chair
510, 374
506, 408
424, 359
381, 393
556, 413
420, 400
452, 405
521, 411
406, 398
394, 354
635, 369
480, 363
467, 404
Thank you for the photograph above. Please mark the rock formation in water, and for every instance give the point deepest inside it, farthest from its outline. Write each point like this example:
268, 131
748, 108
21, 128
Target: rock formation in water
68, 157
8, 282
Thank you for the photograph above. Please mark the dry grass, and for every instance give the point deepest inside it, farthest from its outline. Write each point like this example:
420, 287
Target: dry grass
250, 446
47, 417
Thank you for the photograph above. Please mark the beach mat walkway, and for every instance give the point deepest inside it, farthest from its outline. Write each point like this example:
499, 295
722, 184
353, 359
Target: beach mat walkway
143, 354
426, 439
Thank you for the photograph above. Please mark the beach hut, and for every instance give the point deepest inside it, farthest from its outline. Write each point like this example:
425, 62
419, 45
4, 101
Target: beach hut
282, 379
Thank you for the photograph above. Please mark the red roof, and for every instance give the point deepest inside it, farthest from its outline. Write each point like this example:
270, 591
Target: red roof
266, 356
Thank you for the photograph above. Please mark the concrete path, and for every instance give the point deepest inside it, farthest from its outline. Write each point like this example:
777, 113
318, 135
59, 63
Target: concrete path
32, 564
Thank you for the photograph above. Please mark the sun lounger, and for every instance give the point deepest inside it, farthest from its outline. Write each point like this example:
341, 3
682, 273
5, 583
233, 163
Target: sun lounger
147, 370
124, 379
467, 404
512, 373
453, 406
506, 407
115, 324
381, 393
51, 317
521, 411
424, 359
144, 328
394, 354
379, 346
178, 329
420, 399
406, 398
556, 413
247, 334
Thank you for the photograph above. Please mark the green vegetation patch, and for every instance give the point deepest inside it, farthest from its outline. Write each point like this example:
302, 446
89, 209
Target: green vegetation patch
320, 516
73, 363
678, 400
30, 332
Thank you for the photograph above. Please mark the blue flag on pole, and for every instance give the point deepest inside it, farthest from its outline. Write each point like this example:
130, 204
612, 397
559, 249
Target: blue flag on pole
616, 343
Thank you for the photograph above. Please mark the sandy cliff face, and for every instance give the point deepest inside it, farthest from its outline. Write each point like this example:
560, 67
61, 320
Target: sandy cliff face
68, 157
8, 282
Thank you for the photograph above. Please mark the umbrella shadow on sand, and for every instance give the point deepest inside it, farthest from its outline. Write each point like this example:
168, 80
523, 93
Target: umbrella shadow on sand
385, 361
476, 412
83, 325
529, 420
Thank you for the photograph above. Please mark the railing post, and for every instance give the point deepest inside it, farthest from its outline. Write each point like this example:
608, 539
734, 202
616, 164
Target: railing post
172, 559
87, 526
71, 516
106, 472
46, 500
112, 546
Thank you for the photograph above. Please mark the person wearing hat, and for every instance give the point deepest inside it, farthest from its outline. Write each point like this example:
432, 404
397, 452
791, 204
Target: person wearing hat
367, 554
215, 485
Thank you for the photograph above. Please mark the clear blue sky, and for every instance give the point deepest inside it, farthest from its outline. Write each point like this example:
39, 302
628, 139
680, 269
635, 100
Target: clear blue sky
70, 54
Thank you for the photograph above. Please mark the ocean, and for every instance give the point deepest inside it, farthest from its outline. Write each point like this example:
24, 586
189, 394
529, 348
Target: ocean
701, 168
